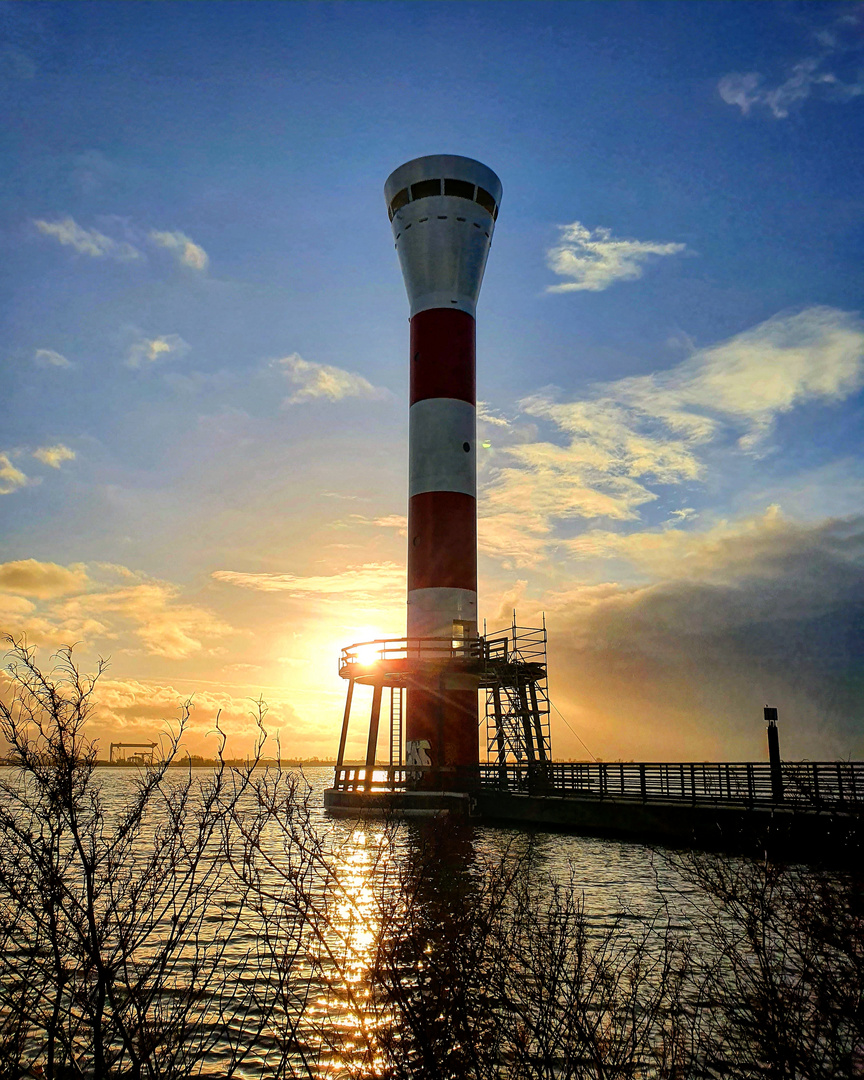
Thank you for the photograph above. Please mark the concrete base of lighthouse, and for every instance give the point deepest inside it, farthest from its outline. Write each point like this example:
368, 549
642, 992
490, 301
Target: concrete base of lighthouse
402, 804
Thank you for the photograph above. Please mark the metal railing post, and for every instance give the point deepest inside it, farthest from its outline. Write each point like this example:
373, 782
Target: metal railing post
342, 738
372, 745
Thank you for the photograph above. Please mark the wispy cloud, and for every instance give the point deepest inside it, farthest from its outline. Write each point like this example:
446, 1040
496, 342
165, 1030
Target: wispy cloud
399, 522
102, 602
815, 75
155, 613
315, 381
487, 415
629, 436
50, 358
54, 455
369, 582
186, 251
148, 351
717, 554
11, 478
814, 355
595, 259
86, 241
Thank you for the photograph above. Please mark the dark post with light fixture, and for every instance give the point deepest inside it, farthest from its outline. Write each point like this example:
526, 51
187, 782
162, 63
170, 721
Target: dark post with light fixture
774, 754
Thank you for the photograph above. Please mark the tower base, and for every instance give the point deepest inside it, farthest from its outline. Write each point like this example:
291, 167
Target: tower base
397, 803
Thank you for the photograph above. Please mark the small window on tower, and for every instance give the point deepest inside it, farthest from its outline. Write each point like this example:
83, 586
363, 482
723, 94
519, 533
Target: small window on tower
399, 200
461, 635
425, 188
460, 188
485, 200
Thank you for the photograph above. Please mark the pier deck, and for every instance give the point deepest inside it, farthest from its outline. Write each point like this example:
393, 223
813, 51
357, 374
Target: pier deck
815, 814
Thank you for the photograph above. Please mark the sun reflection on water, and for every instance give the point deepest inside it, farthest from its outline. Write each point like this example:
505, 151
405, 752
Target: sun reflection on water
347, 1008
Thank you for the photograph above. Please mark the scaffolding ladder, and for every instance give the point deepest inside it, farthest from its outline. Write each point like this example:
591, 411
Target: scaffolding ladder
517, 698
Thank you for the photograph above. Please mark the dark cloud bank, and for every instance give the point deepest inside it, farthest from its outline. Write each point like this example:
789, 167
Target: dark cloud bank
681, 668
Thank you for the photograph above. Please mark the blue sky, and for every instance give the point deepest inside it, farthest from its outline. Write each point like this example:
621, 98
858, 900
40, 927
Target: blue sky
204, 333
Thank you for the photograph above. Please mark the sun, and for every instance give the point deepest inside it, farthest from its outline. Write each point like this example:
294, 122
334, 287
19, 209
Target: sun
368, 654
369, 639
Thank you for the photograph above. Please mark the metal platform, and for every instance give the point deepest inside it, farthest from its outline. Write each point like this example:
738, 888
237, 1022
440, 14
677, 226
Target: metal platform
509, 665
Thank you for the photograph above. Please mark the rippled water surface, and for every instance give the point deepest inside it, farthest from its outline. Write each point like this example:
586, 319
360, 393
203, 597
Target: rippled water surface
327, 994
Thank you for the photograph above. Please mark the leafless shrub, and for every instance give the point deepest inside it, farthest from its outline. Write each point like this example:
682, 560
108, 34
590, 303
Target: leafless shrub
216, 920
114, 963
484, 971
312, 906
782, 968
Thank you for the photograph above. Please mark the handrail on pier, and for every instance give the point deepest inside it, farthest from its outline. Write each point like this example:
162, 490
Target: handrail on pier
811, 785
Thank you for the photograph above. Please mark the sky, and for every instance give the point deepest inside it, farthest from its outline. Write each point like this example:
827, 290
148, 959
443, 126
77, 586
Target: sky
204, 344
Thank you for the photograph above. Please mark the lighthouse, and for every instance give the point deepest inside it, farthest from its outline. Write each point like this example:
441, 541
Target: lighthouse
442, 211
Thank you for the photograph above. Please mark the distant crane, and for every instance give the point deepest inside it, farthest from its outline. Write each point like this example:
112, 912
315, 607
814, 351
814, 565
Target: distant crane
143, 754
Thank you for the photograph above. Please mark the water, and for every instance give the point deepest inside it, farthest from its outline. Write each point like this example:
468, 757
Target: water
301, 902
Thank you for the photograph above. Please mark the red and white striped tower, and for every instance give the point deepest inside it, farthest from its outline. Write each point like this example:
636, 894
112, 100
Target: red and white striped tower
443, 211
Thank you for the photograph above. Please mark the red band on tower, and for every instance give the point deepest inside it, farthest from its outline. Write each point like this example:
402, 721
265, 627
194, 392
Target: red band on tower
442, 538
442, 355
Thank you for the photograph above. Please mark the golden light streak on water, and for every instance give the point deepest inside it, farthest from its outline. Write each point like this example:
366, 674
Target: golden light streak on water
348, 1006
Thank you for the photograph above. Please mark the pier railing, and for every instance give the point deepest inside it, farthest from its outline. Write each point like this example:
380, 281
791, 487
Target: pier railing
808, 783
813, 785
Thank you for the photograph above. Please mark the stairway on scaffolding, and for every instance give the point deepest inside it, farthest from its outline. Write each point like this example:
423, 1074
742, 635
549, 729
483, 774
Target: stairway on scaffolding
517, 706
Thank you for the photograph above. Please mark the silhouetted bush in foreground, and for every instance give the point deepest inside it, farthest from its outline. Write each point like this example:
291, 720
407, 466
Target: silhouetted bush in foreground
216, 927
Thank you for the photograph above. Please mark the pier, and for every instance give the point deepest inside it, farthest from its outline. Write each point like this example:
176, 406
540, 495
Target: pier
808, 810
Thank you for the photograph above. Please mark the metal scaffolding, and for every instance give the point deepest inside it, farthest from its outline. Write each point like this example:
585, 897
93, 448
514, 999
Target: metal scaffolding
510, 666
517, 697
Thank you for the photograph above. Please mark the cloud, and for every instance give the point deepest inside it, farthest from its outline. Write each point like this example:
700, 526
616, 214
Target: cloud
509, 600
166, 625
86, 241
487, 415
93, 171
628, 437
713, 554
747, 90
814, 355
594, 260
399, 522
50, 358
43, 580
54, 455
324, 381
148, 351
76, 606
11, 478
133, 710
761, 610
370, 582
815, 75
13, 609
187, 252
